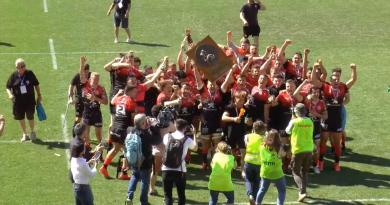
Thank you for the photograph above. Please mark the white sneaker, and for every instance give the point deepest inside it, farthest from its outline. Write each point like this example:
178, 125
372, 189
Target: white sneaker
243, 175
128, 40
317, 170
301, 197
128, 202
33, 136
24, 138
116, 40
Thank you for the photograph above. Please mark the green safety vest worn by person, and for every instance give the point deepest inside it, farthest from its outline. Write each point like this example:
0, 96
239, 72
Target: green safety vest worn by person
301, 130
253, 146
271, 164
220, 177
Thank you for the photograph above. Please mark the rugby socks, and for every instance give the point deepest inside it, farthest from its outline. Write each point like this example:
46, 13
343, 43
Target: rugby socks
323, 149
337, 153
107, 162
204, 155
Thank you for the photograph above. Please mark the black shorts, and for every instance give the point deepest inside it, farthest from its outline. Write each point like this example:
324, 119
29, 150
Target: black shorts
79, 109
120, 20
317, 129
253, 30
334, 121
209, 130
118, 135
236, 142
22, 111
93, 119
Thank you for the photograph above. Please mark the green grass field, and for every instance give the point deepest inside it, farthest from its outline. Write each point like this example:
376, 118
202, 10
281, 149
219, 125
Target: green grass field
339, 32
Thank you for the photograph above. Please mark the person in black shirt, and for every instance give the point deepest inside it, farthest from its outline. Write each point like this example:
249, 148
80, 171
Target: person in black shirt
237, 117
121, 17
142, 173
75, 96
20, 89
248, 15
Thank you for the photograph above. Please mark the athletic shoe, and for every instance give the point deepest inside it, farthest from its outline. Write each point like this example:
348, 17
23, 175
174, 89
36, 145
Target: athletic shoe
317, 170
321, 165
336, 167
128, 40
24, 138
128, 202
243, 175
123, 176
103, 171
116, 40
301, 197
33, 136
153, 193
252, 200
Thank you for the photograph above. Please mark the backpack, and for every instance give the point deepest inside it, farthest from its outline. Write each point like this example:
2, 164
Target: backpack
133, 145
174, 152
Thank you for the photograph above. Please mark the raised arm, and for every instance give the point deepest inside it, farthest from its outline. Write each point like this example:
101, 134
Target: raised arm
306, 52
157, 74
247, 66
353, 78
314, 75
324, 73
198, 78
281, 54
297, 92
230, 44
228, 80
180, 61
266, 66
108, 67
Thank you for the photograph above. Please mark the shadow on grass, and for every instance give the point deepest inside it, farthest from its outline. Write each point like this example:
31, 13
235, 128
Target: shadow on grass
349, 177
51, 144
6, 44
147, 44
321, 201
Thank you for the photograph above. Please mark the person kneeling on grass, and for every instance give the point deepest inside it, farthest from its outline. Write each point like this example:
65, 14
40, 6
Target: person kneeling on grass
271, 167
82, 174
2, 124
220, 178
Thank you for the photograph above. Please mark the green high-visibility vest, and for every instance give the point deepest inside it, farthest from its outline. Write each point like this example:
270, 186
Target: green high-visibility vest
221, 169
271, 164
253, 147
302, 135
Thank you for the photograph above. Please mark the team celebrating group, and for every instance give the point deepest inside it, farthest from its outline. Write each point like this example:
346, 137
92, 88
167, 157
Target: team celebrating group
267, 116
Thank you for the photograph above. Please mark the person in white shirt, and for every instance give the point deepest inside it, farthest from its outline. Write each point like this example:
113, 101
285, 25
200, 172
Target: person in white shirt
82, 174
174, 166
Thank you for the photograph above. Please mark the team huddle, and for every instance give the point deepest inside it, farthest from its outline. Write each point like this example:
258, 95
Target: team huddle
267, 116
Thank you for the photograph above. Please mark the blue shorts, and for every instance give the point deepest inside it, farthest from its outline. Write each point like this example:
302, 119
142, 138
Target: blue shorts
343, 117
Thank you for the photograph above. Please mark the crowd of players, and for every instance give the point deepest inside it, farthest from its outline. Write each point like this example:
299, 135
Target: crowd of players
257, 88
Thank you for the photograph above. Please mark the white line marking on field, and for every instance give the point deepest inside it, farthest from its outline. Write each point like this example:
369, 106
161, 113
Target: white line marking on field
69, 53
45, 6
18, 141
308, 201
53, 54
66, 138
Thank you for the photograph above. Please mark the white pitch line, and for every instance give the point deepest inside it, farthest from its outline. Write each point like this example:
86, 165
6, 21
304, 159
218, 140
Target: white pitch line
45, 9
69, 53
66, 138
53, 54
18, 141
317, 201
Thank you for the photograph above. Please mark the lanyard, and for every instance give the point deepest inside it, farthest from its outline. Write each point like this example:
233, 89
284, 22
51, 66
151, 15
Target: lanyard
22, 79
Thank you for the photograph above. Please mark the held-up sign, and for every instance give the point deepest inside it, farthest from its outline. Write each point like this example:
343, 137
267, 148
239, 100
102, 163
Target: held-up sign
210, 58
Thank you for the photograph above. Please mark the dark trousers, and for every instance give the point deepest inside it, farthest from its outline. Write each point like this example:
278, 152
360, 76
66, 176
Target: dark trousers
252, 179
300, 164
170, 178
83, 194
